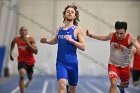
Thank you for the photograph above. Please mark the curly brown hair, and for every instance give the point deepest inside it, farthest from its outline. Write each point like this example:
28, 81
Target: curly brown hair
76, 20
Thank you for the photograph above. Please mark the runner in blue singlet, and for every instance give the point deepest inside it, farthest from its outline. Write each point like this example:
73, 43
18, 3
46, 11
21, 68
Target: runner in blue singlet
69, 38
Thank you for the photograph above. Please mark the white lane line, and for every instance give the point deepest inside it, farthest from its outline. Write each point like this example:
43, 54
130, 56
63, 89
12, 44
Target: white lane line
17, 88
45, 86
93, 87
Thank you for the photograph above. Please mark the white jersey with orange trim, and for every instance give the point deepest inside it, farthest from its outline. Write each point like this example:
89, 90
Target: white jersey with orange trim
120, 51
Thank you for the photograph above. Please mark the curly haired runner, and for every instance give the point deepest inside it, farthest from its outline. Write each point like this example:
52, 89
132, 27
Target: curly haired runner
120, 48
69, 37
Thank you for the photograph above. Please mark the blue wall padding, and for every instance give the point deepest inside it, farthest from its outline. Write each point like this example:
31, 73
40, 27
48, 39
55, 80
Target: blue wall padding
2, 54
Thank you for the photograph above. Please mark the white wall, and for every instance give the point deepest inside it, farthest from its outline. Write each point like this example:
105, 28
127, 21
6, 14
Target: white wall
97, 16
8, 25
0, 6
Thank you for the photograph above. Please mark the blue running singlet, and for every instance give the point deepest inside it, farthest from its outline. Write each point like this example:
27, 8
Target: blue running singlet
66, 50
67, 63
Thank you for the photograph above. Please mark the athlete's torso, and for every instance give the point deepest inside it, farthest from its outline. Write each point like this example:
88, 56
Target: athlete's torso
25, 54
66, 51
120, 51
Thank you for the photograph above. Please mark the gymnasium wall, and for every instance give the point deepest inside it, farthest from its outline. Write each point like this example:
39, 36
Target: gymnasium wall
8, 27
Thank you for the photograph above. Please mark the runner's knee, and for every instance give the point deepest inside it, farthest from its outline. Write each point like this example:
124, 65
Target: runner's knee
62, 84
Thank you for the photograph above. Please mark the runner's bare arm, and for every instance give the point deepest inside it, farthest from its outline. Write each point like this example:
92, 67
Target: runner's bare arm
12, 48
80, 44
132, 53
100, 37
81, 41
135, 42
50, 41
32, 44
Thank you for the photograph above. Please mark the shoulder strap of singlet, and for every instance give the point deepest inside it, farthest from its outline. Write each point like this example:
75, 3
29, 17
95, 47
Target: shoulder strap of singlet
60, 28
74, 27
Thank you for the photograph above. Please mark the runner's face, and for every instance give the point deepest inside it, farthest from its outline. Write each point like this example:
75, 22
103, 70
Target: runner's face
70, 14
120, 33
23, 32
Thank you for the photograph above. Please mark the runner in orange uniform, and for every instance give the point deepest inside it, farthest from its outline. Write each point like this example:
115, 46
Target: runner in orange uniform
26, 48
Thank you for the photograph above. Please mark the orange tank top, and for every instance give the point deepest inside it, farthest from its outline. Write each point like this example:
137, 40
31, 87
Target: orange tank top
24, 53
136, 64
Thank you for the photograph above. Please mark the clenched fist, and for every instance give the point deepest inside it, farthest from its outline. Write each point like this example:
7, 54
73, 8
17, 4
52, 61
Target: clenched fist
43, 40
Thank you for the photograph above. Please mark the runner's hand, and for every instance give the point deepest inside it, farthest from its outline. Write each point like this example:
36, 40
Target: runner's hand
11, 58
68, 38
43, 40
88, 33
